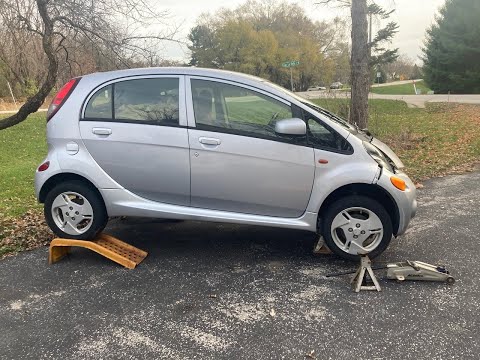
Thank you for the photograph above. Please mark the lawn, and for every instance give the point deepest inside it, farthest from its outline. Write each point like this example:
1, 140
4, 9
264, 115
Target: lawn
22, 148
440, 139
403, 89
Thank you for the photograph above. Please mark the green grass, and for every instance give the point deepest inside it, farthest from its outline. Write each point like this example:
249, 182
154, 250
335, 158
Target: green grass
403, 89
255, 109
6, 249
439, 139
22, 148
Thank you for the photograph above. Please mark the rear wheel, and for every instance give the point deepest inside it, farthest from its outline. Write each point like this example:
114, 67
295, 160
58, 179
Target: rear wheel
74, 210
356, 225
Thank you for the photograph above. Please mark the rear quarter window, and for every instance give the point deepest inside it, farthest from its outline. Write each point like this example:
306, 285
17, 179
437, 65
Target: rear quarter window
100, 104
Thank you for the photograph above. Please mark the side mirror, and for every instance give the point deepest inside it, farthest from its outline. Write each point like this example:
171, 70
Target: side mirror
293, 126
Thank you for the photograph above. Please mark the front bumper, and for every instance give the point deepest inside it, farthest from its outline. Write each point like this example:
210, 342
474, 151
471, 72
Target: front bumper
406, 201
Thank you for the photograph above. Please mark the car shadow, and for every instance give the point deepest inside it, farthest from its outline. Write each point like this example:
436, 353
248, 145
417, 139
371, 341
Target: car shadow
219, 242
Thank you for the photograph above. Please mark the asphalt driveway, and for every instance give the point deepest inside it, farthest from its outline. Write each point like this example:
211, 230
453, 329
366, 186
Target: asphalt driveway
212, 291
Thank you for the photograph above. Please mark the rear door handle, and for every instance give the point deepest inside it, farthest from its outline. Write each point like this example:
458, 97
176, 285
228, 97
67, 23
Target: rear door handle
102, 131
209, 141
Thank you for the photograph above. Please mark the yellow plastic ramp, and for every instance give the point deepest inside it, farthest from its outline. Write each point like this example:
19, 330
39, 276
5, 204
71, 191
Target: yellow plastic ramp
106, 245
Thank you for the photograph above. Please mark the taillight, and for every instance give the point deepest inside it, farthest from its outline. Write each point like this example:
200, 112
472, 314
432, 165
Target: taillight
61, 97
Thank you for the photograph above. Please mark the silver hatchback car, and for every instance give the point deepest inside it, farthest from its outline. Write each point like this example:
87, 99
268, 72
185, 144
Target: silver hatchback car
212, 145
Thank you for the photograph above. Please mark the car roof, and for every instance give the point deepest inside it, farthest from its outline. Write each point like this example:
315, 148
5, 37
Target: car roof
91, 81
101, 77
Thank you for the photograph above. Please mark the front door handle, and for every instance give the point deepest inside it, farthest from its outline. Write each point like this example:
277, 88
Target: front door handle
102, 131
209, 141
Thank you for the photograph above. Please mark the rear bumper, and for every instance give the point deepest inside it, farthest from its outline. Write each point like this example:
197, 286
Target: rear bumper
41, 177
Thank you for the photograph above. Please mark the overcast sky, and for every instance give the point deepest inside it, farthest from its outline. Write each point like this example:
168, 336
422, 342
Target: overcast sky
413, 16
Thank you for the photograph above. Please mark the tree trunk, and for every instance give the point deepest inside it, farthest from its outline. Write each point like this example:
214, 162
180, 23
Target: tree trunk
360, 60
33, 104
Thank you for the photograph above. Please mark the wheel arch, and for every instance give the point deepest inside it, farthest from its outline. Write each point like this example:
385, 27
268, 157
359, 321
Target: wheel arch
372, 191
63, 177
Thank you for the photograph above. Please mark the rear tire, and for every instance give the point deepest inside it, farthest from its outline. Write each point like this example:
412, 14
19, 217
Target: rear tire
74, 210
355, 225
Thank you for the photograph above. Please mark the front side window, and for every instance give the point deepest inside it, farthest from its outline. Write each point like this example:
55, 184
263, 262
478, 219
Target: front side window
152, 101
233, 109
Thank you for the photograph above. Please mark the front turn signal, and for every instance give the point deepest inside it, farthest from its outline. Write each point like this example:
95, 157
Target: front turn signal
398, 183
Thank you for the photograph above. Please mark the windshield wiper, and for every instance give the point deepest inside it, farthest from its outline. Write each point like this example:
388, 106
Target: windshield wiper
328, 113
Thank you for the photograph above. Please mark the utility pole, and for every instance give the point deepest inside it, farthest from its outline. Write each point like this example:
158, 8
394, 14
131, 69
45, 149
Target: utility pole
11, 93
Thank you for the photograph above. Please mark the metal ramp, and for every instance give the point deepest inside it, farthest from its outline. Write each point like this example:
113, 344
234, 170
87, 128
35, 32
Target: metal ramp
105, 245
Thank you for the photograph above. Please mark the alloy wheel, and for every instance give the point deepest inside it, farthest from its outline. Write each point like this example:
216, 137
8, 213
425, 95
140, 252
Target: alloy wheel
72, 213
357, 230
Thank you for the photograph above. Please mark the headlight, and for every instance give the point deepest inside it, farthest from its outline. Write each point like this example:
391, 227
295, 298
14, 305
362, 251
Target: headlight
377, 155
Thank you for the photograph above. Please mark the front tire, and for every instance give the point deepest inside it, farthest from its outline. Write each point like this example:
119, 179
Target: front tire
356, 225
74, 210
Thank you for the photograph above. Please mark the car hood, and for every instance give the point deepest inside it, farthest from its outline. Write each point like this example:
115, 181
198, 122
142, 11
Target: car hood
388, 152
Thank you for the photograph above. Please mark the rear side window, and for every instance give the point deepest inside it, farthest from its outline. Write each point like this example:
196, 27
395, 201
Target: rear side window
151, 101
148, 100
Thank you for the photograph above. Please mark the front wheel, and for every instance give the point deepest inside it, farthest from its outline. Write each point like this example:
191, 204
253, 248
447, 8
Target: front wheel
74, 210
356, 225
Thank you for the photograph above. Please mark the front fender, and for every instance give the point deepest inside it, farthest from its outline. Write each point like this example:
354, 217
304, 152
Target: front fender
340, 170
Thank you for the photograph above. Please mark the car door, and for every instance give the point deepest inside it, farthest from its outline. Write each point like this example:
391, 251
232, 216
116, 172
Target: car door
238, 162
132, 128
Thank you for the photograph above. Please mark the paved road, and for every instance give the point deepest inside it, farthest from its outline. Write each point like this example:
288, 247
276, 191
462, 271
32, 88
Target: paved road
400, 82
89, 308
421, 100
411, 100
14, 111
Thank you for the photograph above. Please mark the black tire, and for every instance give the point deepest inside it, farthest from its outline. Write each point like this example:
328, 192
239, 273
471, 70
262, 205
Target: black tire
353, 201
100, 217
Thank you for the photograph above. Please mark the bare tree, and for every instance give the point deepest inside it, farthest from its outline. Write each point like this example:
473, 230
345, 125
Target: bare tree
360, 64
360, 58
365, 53
401, 69
115, 29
